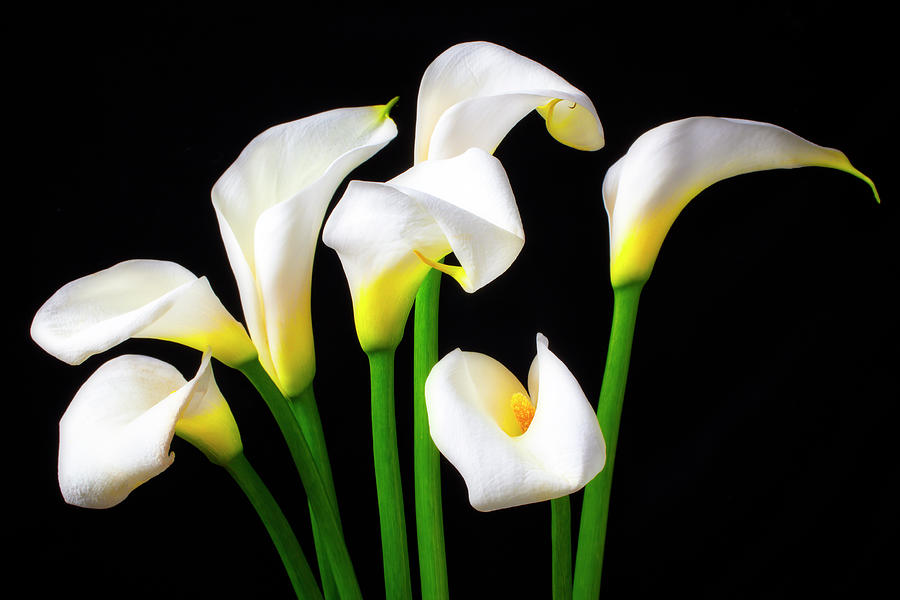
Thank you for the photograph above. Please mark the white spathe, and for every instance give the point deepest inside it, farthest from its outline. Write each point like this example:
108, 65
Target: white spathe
666, 167
116, 432
468, 396
388, 235
474, 93
138, 298
270, 204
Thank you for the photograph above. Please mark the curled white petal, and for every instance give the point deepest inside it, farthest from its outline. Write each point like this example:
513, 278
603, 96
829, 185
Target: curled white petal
270, 204
138, 298
383, 232
474, 93
116, 432
467, 396
645, 190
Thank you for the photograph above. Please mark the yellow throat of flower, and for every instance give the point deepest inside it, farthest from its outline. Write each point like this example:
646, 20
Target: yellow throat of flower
523, 409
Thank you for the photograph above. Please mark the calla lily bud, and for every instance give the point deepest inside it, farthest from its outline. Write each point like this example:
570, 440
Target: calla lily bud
668, 166
142, 299
474, 93
513, 446
270, 204
388, 236
115, 434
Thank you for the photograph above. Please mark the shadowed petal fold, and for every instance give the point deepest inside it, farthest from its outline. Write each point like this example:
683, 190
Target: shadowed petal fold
270, 204
474, 93
645, 190
387, 235
143, 299
475, 423
116, 432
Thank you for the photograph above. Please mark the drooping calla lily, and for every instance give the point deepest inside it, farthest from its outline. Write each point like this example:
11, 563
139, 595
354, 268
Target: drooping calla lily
116, 433
138, 298
513, 446
645, 190
270, 204
475, 92
388, 235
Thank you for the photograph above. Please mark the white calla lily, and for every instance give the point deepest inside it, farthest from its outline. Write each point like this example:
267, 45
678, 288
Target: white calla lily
474, 93
388, 235
138, 298
513, 448
666, 167
115, 434
270, 204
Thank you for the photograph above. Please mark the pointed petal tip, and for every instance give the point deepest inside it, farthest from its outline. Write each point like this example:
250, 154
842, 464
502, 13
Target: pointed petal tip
386, 111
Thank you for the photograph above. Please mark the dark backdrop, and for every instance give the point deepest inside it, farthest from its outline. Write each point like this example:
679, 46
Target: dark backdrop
757, 454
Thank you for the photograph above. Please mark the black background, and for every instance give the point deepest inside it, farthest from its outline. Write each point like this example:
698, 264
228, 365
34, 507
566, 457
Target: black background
757, 454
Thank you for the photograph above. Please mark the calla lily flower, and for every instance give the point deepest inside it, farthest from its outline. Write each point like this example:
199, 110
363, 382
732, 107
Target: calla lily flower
388, 235
475, 92
116, 433
645, 190
138, 298
513, 446
270, 204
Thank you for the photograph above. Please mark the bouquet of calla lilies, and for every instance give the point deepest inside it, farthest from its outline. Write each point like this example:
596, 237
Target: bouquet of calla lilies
453, 212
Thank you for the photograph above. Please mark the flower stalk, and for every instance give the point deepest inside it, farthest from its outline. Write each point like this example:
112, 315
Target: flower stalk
427, 461
306, 412
395, 554
326, 519
595, 506
561, 547
298, 570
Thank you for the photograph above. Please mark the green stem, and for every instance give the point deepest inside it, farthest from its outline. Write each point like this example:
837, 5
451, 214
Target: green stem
327, 521
427, 461
279, 529
561, 540
395, 556
306, 412
595, 507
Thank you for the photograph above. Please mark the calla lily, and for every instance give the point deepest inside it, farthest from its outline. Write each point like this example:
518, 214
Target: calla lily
388, 235
475, 92
512, 447
645, 190
270, 204
138, 298
115, 434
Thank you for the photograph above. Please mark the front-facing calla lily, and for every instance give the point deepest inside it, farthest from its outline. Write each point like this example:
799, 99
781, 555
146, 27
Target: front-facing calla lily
645, 190
143, 299
474, 93
513, 446
270, 204
388, 235
116, 432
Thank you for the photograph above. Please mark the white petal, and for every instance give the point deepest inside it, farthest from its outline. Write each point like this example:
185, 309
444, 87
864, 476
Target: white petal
564, 421
115, 435
467, 396
474, 93
270, 204
667, 166
463, 204
138, 298
470, 198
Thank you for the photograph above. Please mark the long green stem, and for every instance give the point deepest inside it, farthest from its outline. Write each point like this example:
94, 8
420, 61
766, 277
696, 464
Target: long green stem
327, 520
306, 412
427, 463
395, 555
561, 543
595, 507
276, 524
